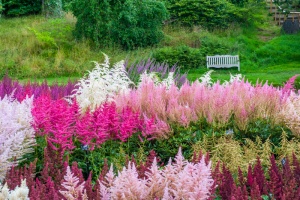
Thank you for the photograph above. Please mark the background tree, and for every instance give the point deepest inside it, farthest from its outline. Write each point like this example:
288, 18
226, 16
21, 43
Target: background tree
15, 8
128, 23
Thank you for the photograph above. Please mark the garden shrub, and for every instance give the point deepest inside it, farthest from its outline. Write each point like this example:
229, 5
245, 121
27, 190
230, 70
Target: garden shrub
209, 14
192, 58
15, 8
183, 56
138, 23
124, 22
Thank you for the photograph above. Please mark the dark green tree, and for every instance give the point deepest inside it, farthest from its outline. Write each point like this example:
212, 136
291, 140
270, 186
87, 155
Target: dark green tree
15, 8
207, 13
128, 23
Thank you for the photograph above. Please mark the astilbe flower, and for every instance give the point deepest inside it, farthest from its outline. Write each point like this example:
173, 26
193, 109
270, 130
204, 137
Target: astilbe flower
291, 113
94, 128
217, 104
20, 193
19, 91
16, 133
55, 119
101, 84
180, 180
150, 66
72, 189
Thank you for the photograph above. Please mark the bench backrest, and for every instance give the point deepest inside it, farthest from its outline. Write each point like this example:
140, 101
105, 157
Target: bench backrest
221, 61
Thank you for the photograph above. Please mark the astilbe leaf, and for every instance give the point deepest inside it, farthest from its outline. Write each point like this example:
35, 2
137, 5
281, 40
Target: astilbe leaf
16, 132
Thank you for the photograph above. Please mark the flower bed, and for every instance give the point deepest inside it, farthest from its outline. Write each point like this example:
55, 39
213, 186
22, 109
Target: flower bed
60, 138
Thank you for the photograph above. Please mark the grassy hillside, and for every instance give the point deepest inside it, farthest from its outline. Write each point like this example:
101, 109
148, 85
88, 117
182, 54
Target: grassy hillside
35, 47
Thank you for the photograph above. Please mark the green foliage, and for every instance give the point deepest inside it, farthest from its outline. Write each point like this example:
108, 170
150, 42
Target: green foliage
52, 8
183, 56
193, 58
15, 8
44, 38
121, 22
139, 23
207, 13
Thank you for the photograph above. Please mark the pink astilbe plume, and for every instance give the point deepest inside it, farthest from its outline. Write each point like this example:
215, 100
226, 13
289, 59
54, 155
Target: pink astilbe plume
72, 189
215, 103
94, 128
16, 133
180, 180
291, 113
55, 119
288, 87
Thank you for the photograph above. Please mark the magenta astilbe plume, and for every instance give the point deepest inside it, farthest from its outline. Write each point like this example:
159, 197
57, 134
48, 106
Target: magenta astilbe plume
8, 86
107, 123
55, 118
289, 86
20, 91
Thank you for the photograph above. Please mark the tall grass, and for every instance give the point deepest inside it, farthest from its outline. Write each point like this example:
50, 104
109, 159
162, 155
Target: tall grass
35, 47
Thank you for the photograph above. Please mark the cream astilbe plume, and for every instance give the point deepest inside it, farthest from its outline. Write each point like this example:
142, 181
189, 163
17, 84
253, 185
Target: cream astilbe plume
101, 84
19, 193
233, 78
74, 190
206, 79
291, 113
16, 133
153, 77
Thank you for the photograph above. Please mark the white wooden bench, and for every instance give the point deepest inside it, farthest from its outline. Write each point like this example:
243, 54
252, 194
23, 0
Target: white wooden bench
223, 61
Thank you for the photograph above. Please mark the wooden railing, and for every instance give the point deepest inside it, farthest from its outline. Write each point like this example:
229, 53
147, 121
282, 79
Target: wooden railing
279, 15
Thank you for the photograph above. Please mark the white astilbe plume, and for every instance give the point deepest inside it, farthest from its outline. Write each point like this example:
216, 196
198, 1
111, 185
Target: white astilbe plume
16, 133
153, 77
206, 79
74, 190
101, 84
19, 193
233, 78
169, 81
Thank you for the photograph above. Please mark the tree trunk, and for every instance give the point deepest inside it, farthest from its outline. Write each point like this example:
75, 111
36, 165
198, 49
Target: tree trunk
52, 8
